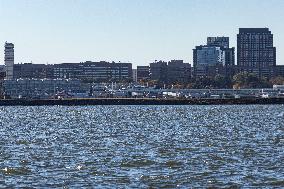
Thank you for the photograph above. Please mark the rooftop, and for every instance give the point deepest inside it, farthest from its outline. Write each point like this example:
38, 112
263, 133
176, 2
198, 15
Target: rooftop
254, 30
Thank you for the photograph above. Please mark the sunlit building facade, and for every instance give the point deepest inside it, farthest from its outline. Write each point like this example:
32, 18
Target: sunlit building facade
256, 53
9, 59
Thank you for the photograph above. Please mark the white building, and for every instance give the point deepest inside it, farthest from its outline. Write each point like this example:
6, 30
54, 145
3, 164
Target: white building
9, 60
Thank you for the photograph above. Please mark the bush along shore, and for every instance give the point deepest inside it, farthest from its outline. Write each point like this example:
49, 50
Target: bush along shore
138, 101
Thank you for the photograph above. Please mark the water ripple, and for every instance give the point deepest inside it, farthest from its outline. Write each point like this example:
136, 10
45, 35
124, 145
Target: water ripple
142, 146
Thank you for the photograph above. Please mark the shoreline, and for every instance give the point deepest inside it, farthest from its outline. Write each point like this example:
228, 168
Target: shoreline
137, 101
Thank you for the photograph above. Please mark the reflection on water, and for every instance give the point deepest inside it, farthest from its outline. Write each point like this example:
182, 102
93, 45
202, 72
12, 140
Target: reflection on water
142, 146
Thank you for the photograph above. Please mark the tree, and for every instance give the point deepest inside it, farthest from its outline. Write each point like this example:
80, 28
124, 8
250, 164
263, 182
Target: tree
249, 80
279, 80
222, 82
203, 83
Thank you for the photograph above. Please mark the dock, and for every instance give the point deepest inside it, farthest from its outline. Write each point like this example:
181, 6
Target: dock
136, 101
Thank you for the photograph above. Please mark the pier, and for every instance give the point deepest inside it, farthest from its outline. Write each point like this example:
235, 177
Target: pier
137, 101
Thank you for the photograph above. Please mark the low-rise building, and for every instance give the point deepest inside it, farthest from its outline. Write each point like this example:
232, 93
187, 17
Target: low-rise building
278, 70
143, 73
94, 71
2, 72
173, 72
158, 71
43, 88
178, 72
86, 71
134, 75
33, 71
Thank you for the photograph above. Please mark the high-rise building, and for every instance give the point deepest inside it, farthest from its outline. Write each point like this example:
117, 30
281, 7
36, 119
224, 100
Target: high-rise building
218, 41
207, 60
214, 58
9, 60
255, 51
229, 64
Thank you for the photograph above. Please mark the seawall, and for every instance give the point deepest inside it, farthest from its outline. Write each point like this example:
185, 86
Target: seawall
138, 101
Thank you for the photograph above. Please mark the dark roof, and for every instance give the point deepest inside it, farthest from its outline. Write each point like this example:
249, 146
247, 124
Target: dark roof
254, 30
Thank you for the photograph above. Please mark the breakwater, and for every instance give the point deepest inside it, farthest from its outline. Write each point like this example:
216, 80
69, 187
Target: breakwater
137, 101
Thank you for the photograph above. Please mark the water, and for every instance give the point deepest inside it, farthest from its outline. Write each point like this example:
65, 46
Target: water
142, 146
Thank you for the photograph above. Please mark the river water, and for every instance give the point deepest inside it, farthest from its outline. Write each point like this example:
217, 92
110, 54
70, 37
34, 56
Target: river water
142, 146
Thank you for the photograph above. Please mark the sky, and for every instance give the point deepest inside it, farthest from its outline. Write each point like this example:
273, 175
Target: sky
136, 31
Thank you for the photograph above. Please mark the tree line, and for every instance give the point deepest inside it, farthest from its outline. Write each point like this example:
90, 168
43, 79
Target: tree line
241, 80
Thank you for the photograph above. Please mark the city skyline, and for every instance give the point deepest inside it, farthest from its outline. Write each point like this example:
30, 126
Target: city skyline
128, 31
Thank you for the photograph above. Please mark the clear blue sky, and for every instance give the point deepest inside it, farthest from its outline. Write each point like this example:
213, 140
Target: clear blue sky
138, 31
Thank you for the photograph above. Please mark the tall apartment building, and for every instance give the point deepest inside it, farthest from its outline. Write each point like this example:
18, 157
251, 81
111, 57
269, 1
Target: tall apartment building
9, 60
256, 53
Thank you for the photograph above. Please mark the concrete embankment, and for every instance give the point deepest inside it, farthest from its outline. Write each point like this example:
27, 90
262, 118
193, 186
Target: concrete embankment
137, 101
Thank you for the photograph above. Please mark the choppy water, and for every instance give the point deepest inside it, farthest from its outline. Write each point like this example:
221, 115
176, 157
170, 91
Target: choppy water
142, 146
